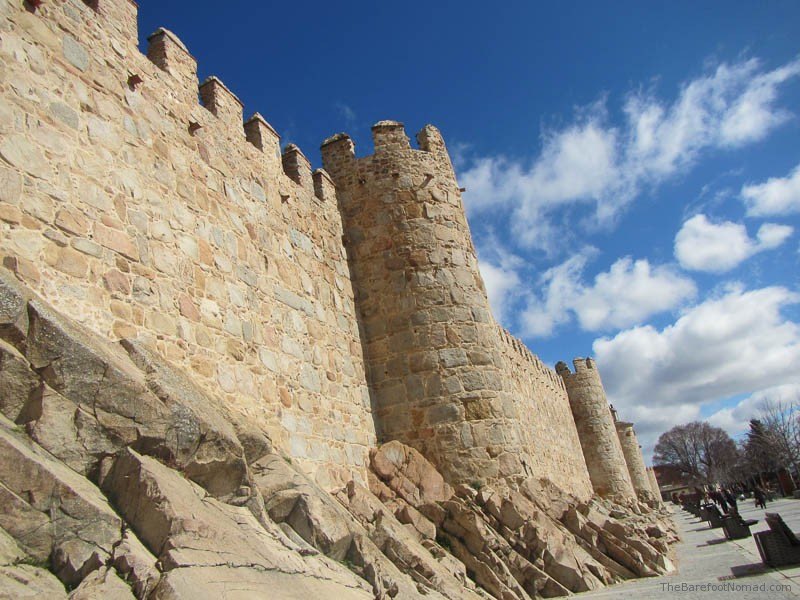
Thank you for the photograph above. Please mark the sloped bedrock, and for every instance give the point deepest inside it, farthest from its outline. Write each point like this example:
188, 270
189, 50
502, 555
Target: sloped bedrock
53, 518
359, 530
83, 398
206, 547
526, 539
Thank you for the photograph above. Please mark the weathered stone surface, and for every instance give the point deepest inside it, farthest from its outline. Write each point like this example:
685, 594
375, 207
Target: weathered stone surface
53, 510
10, 552
103, 583
292, 499
13, 313
25, 581
597, 431
17, 382
241, 270
214, 457
409, 474
136, 564
188, 531
401, 546
217, 581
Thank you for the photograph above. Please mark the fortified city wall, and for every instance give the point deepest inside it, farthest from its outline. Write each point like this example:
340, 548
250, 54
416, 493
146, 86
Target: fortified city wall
433, 350
633, 458
596, 431
139, 212
544, 409
301, 301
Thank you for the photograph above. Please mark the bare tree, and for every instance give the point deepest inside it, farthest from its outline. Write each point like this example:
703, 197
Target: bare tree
782, 426
703, 453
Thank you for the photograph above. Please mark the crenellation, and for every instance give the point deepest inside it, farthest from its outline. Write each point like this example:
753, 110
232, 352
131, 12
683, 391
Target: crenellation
263, 136
554, 450
389, 137
169, 54
319, 313
223, 104
297, 167
186, 241
635, 461
303, 300
324, 189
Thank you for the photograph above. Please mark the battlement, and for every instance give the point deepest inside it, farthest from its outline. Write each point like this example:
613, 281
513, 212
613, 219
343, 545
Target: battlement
391, 147
171, 56
222, 103
305, 300
262, 135
180, 224
582, 366
531, 360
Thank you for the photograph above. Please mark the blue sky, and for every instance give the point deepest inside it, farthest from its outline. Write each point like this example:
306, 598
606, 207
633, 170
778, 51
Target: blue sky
632, 169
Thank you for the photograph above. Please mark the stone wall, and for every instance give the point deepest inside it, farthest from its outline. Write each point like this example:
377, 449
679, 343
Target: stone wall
596, 431
139, 212
548, 425
436, 368
635, 461
651, 472
137, 201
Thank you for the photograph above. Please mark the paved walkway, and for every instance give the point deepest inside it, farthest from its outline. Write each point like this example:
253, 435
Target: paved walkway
729, 569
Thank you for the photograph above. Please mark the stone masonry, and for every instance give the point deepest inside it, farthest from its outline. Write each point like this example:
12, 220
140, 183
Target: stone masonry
432, 347
599, 441
142, 213
633, 458
651, 473
223, 373
302, 301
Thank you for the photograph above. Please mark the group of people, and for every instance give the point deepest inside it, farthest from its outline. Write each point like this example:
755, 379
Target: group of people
725, 498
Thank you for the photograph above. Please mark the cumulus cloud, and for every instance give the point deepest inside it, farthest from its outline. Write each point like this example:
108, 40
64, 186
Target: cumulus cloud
702, 245
500, 270
594, 162
735, 419
726, 346
776, 196
626, 294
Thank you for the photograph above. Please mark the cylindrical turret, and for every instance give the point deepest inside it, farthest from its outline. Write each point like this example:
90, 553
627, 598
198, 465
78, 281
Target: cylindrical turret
596, 431
432, 347
651, 472
635, 461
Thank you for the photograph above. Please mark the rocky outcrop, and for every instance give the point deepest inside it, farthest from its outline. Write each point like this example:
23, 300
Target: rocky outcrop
120, 478
199, 540
527, 539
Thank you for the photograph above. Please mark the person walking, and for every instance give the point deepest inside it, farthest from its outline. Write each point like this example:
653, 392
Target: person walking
760, 496
731, 499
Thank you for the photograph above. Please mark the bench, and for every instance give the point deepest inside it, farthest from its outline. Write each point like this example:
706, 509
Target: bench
736, 527
779, 546
711, 514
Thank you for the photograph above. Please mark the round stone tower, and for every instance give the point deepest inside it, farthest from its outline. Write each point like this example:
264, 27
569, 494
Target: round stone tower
596, 431
635, 461
432, 347
651, 472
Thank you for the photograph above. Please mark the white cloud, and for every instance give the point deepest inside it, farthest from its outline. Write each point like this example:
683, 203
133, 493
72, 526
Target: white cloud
702, 245
626, 294
735, 419
501, 271
776, 196
723, 347
594, 162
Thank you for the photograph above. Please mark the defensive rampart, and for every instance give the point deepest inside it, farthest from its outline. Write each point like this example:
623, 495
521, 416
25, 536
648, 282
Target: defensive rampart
142, 213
